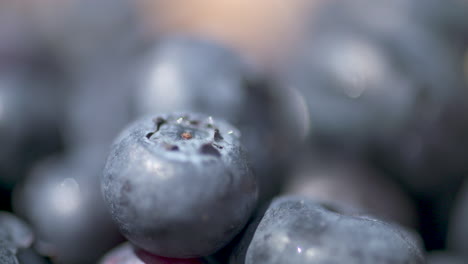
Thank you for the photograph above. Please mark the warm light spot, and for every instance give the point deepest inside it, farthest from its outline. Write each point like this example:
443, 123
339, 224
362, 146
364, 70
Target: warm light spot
262, 28
186, 135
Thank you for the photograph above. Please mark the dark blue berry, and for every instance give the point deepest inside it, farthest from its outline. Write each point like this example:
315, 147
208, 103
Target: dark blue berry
183, 73
16, 238
297, 230
179, 185
62, 200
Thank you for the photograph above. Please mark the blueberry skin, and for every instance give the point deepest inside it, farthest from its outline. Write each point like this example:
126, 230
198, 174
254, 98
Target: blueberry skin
179, 185
204, 76
297, 230
6, 255
15, 231
15, 239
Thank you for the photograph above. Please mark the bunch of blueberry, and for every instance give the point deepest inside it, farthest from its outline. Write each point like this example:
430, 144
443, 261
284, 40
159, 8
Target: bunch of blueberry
123, 144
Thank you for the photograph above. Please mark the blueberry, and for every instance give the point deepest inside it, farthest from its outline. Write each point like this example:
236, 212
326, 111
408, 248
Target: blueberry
351, 183
206, 77
179, 185
372, 89
6, 255
203, 75
15, 231
413, 156
297, 230
126, 254
15, 239
349, 84
62, 200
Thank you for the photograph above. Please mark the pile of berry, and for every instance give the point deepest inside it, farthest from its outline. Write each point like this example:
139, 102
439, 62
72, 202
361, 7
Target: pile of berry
122, 142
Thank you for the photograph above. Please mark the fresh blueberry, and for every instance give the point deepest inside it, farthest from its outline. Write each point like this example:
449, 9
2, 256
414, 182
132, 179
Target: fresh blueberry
349, 84
297, 230
202, 75
15, 231
354, 184
6, 254
16, 239
127, 254
62, 200
192, 74
372, 88
179, 185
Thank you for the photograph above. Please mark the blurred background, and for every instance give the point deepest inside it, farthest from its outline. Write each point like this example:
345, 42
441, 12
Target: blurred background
356, 102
